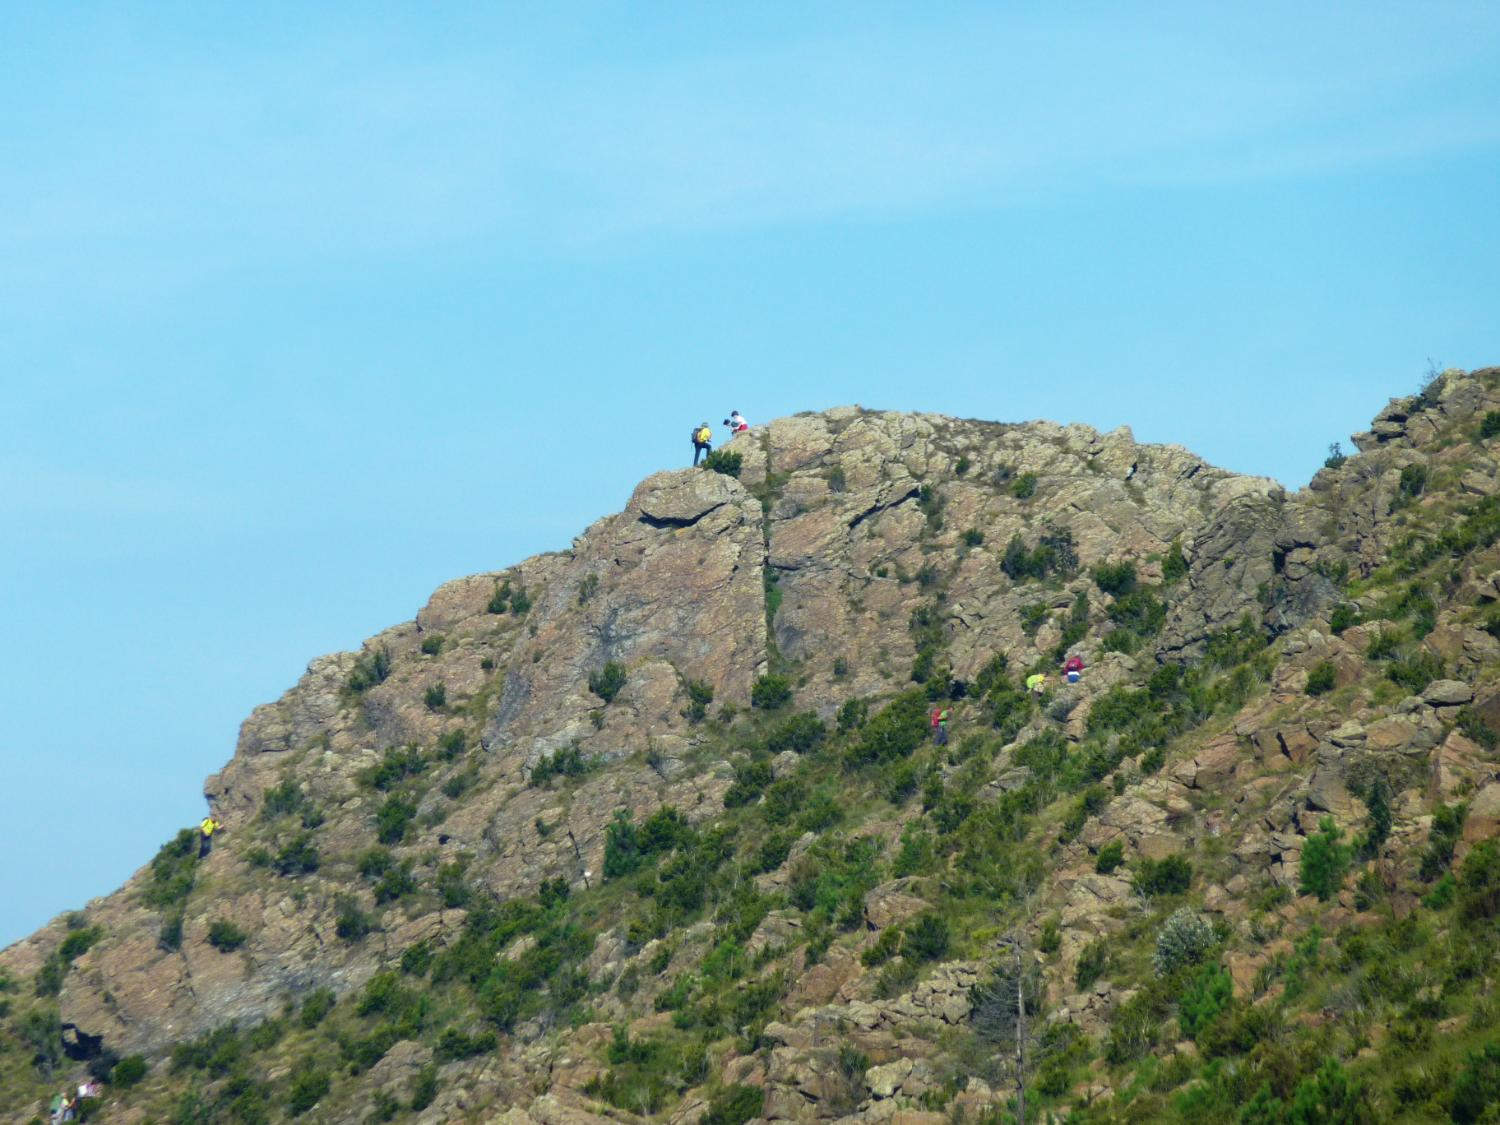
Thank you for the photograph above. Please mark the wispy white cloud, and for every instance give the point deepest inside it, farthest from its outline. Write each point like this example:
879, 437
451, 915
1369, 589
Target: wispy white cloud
328, 146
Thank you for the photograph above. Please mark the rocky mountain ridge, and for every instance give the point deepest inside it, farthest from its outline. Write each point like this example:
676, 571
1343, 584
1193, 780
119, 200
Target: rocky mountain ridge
772, 635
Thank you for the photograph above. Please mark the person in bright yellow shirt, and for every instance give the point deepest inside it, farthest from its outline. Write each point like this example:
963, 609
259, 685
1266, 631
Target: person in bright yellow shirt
702, 436
206, 832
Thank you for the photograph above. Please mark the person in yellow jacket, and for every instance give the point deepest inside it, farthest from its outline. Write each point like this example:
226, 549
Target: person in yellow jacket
702, 436
206, 832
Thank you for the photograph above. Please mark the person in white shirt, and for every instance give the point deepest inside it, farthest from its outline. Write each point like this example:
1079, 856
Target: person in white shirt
736, 422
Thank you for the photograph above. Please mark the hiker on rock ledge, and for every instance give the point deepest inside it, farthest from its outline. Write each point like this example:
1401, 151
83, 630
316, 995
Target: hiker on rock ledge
702, 437
206, 832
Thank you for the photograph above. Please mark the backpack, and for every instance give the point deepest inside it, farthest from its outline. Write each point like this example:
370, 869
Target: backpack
702, 436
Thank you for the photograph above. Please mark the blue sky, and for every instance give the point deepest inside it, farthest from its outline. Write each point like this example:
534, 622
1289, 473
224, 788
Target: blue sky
303, 312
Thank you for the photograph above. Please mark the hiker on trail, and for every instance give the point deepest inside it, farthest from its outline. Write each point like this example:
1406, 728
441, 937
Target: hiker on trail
940, 725
1073, 669
55, 1108
702, 436
736, 423
1036, 683
206, 832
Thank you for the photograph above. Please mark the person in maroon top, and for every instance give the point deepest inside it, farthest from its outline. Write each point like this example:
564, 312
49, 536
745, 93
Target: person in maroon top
1073, 669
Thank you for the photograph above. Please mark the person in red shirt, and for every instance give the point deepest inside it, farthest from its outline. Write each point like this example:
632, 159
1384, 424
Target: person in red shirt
1073, 669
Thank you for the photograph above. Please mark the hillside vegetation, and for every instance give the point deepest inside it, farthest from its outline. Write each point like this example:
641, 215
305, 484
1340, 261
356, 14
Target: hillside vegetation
656, 828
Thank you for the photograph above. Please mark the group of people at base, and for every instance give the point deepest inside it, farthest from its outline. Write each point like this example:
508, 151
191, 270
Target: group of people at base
703, 436
65, 1105
1036, 683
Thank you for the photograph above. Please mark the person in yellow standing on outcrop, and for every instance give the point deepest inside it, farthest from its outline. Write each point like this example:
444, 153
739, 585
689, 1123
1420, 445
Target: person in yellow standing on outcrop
206, 832
702, 436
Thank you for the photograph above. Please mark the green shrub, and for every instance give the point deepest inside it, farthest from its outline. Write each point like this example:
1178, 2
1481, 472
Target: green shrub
927, 937
393, 818
436, 696
1117, 579
452, 745
733, 1105
394, 767
770, 692
1377, 798
1477, 1088
801, 732
1416, 671
1331, 1096
897, 730
1024, 486
454, 1045
371, 667
1140, 612
351, 923
1413, 481
316, 1007
129, 1071
973, 537
607, 682
1343, 617
170, 936
173, 870
700, 694
1325, 862
226, 937
1442, 840
1053, 554
1321, 679
1169, 876
1489, 425
566, 762
723, 461
852, 715
1479, 883
1092, 963
298, 856
308, 1088
395, 884
1472, 724
432, 644
1110, 856
452, 886
424, 1088
622, 852
1208, 993
283, 799
500, 600
1184, 939
750, 781
1174, 563
1033, 614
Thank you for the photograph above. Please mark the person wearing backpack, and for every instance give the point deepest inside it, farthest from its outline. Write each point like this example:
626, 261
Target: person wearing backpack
940, 725
702, 436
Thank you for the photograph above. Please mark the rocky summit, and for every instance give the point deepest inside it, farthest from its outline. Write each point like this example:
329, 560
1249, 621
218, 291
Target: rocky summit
660, 827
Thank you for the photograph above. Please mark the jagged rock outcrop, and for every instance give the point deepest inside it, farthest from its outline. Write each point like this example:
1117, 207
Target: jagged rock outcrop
852, 547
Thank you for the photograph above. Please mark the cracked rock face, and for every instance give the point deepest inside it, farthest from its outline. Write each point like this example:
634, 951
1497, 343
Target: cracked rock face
851, 519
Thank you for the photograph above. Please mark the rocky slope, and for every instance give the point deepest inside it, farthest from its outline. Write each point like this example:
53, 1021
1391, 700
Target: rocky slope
452, 844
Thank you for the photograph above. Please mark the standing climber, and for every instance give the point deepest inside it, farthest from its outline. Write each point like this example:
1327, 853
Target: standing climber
206, 832
736, 423
702, 437
1073, 669
940, 725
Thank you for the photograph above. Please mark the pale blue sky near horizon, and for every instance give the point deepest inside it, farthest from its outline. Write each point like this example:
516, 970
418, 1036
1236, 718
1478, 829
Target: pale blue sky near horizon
306, 310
